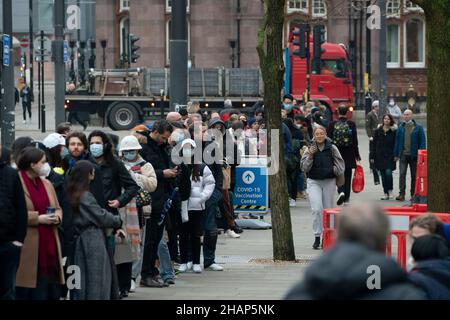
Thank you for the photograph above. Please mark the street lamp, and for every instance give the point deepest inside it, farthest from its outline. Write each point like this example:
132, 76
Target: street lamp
72, 60
81, 63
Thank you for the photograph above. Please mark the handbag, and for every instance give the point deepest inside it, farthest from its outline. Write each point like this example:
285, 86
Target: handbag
143, 198
358, 179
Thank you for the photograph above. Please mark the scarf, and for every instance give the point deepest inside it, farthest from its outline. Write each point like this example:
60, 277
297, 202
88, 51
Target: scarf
47, 242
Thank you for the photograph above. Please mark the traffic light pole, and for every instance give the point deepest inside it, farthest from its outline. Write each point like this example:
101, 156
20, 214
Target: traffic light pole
8, 91
42, 84
382, 57
308, 64
178, 55
58, 54
31, 46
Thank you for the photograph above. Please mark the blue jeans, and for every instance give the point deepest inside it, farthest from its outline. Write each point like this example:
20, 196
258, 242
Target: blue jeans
387, 181
165, 262
9, 262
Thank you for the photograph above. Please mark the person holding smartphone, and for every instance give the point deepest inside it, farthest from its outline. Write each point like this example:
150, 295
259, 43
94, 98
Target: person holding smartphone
40, 271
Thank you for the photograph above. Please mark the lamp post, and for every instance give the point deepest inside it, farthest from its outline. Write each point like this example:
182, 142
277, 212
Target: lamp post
81, 58
72, 62
233, 56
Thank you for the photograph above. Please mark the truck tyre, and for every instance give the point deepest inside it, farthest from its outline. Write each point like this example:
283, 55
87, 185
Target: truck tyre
123, 116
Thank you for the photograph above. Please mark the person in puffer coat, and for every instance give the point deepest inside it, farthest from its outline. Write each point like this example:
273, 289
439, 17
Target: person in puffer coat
202, 187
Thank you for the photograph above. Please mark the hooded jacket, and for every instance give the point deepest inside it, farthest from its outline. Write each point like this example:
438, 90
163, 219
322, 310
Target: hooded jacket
433, 277
342, 273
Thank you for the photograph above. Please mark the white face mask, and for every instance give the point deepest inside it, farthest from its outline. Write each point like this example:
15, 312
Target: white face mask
391, 103
45, 170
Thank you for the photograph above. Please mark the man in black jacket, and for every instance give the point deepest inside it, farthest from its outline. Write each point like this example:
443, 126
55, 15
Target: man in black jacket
157, 155
356, 267
13, 228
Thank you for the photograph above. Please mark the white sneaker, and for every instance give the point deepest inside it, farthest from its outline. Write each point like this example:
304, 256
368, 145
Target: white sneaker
197, 268
292, 203
189, 265
133, 286
214, 267
183, 268
24, 121
232, 234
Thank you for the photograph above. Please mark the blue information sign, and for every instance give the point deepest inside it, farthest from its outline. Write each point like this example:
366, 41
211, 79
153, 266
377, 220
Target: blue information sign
66, 51
6, 46
251, 192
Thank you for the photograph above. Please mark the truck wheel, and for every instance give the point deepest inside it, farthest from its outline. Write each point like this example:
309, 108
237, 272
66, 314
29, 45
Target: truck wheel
123, 116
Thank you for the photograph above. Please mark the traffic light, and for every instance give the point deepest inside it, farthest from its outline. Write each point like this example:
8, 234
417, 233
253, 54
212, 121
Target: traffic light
318, 40
134, 48
300, 41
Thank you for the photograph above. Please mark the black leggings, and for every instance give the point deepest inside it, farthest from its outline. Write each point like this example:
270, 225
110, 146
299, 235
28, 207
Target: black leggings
191, 232
26, 107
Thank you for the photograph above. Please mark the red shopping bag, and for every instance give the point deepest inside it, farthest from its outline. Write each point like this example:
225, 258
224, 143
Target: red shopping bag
358, 179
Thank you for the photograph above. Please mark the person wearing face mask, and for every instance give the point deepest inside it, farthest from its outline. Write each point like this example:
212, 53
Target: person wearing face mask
91, 221
128, 253
394, 110
40, 271
322, 162
288, 105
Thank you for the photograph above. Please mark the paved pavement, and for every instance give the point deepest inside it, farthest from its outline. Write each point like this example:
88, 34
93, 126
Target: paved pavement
243, 278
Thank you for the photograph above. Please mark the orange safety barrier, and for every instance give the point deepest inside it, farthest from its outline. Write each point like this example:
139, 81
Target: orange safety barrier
400, 218
421, 188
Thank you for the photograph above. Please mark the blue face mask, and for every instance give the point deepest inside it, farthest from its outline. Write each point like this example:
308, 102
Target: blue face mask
96, 150
287, 107
65, 152
130, 155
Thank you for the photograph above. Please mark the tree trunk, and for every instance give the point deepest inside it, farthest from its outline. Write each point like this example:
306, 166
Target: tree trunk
438, 101
270, 51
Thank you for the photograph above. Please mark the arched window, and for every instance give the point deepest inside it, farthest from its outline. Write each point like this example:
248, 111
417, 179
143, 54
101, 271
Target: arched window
319, 8
414, 43
393, 46
393, 8
297, 5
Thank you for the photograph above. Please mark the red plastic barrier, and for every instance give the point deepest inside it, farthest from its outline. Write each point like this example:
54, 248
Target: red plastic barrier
330, 219
421, 186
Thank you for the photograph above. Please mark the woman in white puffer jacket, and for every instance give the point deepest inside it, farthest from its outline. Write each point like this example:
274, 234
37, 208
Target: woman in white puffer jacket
202, 186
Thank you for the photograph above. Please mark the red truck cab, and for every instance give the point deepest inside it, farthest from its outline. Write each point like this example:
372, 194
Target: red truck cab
332, 86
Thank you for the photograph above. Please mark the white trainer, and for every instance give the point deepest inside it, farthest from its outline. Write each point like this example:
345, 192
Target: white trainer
214, 267
189, 265
197, 268
292, 203
133, 286
183, 268
232, 234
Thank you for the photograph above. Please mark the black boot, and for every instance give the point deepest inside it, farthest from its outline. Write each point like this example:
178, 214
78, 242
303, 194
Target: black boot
316, 244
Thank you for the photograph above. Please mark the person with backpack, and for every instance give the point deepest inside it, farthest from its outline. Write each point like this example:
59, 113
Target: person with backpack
344, 136
202, 186
128, 250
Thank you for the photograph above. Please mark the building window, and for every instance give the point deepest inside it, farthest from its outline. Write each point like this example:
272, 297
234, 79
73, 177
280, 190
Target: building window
124, 5
393, 8
414, 43
409, 6
298, 5
393, 46
319, 8
169, 5
168, 25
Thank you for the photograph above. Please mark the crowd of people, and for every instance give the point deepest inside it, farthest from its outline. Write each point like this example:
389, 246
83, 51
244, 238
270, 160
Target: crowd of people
144, 207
